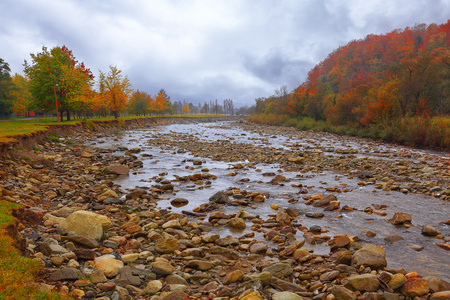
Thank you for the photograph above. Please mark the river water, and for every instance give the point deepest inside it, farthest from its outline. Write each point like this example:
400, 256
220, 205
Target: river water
163, 161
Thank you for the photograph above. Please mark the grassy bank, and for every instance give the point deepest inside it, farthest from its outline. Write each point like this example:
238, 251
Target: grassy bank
11, 128
17, 272
414, 131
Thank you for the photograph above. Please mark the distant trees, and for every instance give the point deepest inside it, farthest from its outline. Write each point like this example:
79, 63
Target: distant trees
374, 82
381, 77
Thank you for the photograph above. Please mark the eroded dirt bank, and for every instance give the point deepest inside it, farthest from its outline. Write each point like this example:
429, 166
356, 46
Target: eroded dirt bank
100, 240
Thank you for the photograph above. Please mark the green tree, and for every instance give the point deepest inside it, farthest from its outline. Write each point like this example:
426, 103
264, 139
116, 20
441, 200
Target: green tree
56, 71
6, 86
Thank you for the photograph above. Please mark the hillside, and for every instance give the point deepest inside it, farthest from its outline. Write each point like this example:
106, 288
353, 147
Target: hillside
381, 86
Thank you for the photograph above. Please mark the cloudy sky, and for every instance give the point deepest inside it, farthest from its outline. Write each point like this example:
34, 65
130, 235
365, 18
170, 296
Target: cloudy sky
201, 50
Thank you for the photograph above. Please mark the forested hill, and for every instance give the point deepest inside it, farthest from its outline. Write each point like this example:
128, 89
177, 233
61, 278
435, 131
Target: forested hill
381, 81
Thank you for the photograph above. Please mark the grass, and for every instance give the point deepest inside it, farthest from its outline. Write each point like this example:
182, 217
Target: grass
412, 131
17, 272
9, 129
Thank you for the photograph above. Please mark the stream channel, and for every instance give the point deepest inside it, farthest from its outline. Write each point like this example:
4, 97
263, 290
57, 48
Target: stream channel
165, 161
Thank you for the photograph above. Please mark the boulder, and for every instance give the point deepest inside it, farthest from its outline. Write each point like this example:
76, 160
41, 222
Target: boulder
109, 265
415, 287
237, 223
400, 218
87, 224
219, 197
362, 283
162, 268
372, 256
167, 245
279, 269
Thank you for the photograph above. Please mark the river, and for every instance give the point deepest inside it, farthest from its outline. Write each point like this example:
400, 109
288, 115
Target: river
163, 161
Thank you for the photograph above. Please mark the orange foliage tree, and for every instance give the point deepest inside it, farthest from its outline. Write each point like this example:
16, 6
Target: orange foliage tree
115, 90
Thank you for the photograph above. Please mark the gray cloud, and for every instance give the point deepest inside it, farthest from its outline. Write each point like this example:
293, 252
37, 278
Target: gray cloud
201, 50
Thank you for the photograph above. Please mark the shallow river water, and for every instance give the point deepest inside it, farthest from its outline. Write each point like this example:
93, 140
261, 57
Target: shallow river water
432, 260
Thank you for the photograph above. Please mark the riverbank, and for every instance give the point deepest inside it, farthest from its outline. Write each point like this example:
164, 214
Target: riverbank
133, 248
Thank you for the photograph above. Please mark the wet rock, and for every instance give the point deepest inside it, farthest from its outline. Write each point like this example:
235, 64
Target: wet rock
227, 241
219, 197
400, 218
339, 241
179, 202
370, 256
176, 279
414, 287
117, 169
162, 268
167, 245
436, 284
264, 277
258, 248
362, 283
153, 287
324, 201
87, 224
291, 248
283, 218
397, 280
237, 223
233, 276
81, 240
415, 247
342, 293
136, 194
444, 295
329, 276
63, 274
126, 276
199, 265
429, 230
279, 269
176, 295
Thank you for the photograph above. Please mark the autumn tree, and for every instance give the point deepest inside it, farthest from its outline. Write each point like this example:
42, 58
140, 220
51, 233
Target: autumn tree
21, 96
57, 71
185, 108
115, 90
139, 103
5, 87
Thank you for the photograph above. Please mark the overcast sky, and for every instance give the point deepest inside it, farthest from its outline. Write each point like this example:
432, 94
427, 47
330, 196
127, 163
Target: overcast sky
206, 49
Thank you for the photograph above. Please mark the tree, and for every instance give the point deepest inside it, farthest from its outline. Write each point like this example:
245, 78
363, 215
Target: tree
57, 71
185, 108
139, 103
5, 87
115, 90
228, 106
21, 96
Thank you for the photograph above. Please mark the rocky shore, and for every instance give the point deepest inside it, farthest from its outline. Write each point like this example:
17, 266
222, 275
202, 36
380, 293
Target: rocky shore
97, 241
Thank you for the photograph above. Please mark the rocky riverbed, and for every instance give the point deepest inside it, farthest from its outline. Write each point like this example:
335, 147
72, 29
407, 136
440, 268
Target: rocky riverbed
232, 211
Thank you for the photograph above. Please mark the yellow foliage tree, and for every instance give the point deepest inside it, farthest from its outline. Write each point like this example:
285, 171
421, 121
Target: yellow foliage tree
115, 90
185, 108
21, 95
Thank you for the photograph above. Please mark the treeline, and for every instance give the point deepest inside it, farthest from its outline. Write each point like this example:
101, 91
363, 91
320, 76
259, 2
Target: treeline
55, 82
394, 86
